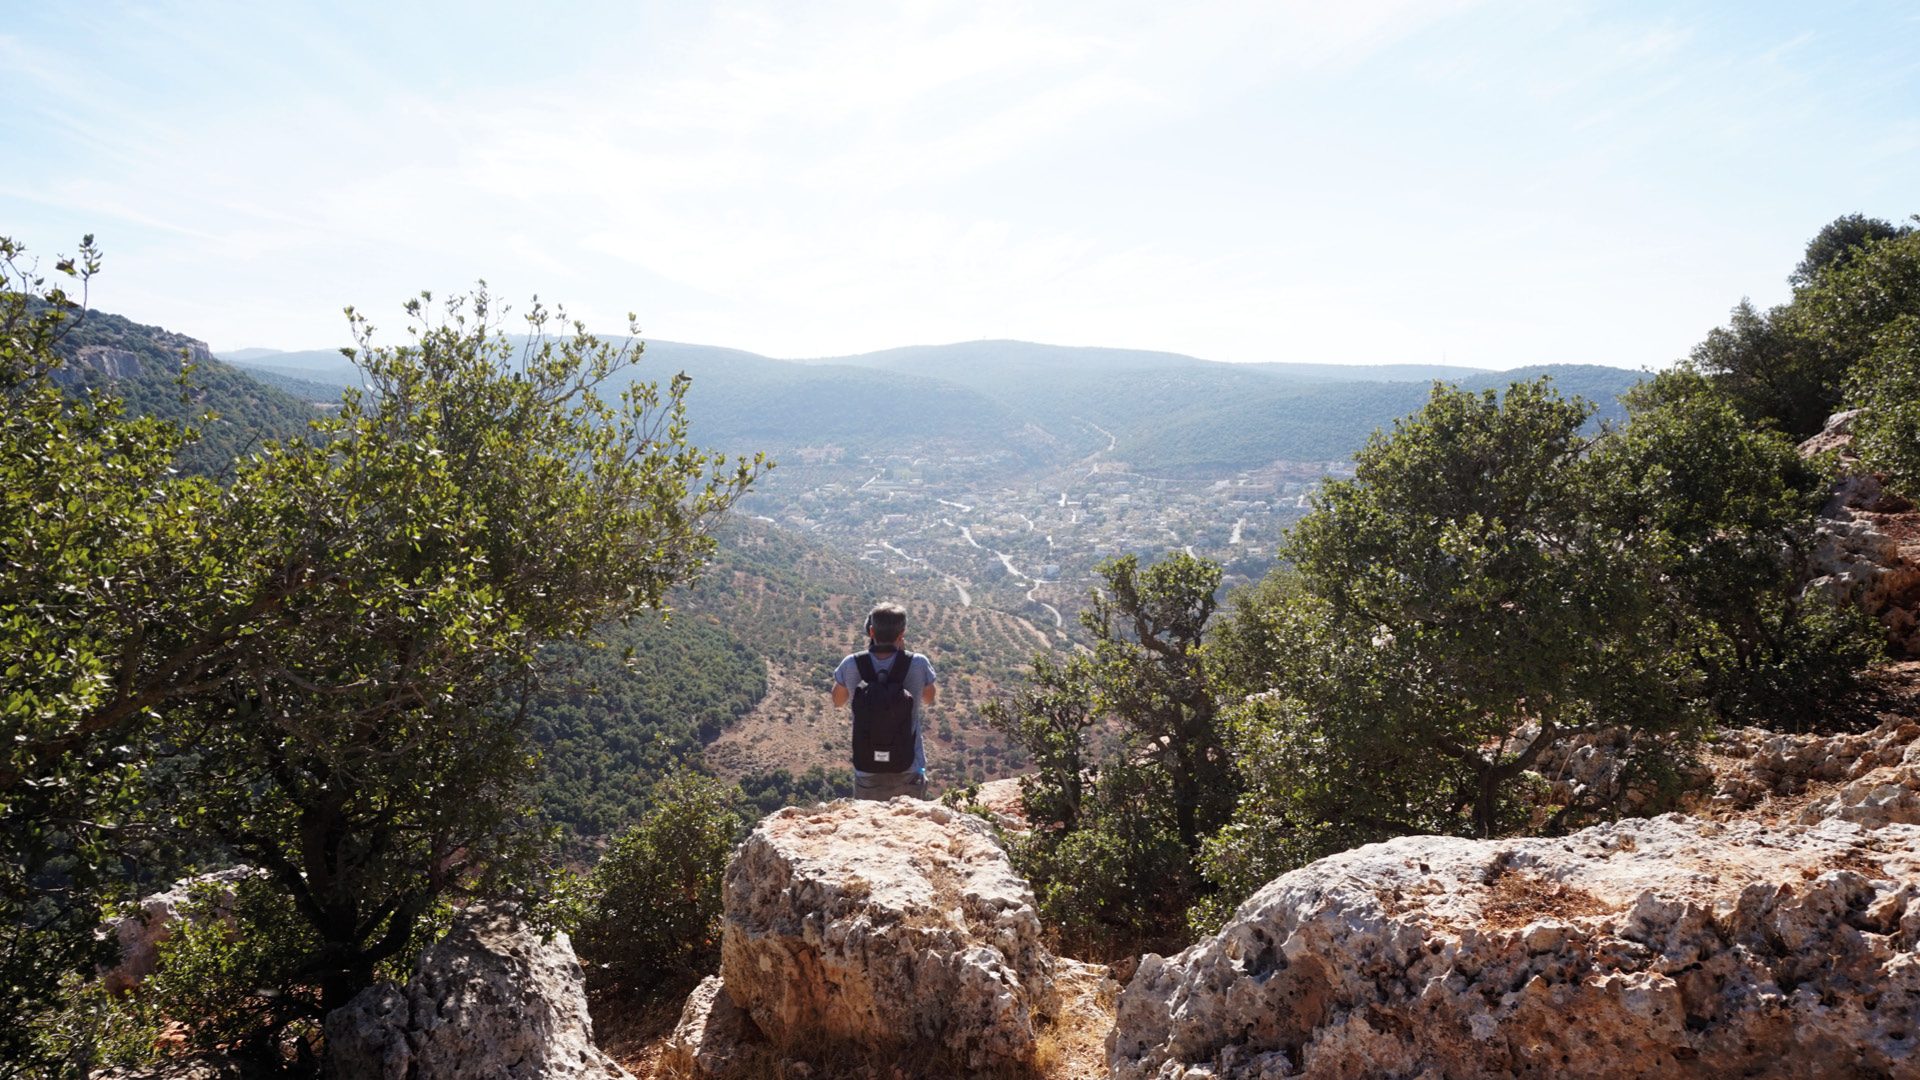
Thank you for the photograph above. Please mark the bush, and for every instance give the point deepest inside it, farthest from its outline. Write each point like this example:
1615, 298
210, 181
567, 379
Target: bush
225, 947
648, 916
90, 1029
1887, 384
1118, 884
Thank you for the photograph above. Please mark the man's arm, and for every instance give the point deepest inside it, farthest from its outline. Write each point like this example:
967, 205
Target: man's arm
929, 693
841, 694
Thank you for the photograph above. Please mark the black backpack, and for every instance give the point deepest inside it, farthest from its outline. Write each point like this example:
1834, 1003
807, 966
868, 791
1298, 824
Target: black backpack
883, 717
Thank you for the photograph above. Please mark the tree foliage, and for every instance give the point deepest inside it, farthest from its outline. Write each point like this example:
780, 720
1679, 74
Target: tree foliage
1112, 854
648, 916
1839, 240
1727, 510
105, 561
477, 501
1465, 551
324, 664
1790, 365
1887, 384
1493, 581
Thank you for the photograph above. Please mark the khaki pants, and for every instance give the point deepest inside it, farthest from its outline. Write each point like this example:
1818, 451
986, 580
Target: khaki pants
884, 786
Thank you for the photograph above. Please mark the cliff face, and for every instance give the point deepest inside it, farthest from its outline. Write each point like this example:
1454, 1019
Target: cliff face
1655, 947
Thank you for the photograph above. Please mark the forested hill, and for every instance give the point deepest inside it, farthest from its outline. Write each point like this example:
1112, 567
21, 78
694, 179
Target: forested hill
142, 365
1043, 405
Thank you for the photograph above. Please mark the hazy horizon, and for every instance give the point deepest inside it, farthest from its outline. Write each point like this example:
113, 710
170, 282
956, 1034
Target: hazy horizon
1480, 183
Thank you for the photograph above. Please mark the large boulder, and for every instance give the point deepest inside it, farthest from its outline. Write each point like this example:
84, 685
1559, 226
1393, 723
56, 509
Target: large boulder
1656, 947
492, 1000
885, 927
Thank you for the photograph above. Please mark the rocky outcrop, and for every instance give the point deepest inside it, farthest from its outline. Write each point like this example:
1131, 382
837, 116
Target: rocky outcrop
141, 932
1836, 436
1866, 548
1752, 765
877, 929
1000, 802
1657, 947
489, 1000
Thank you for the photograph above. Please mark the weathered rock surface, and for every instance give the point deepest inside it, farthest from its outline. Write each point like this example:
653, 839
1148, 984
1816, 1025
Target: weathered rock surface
1657, 947
1001, 802
1836, 435
141, 933
714, 1037
1867, 544
1594, 769
884, 925
1752, 765
489, 1000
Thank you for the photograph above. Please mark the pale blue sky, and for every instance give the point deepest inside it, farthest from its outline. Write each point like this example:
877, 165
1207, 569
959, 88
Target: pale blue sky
1491, 184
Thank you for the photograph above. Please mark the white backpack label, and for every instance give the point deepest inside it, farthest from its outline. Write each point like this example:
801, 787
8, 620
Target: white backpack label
883, 755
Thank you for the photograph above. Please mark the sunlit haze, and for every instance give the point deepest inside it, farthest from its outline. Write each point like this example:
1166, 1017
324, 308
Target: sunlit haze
1486, 184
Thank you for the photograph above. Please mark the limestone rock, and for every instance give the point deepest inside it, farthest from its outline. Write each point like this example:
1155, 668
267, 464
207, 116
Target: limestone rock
1754, 764
713, 1039
140, 933
1836, 435
1000, 802
1867, 551
1891, 797
1595, 768
490, 1000
878, 925
1654, 947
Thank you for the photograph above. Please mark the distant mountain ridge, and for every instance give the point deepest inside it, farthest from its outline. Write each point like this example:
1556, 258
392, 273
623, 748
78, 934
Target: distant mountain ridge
1038, 405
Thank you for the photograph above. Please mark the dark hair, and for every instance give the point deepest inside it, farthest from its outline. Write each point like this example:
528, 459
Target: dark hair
887, 621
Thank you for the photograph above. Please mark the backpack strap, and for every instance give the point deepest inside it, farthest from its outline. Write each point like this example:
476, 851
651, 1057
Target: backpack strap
902, 662
896, 675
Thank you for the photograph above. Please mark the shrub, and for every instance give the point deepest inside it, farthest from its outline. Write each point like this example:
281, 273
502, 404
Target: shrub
1887, 384
648, 915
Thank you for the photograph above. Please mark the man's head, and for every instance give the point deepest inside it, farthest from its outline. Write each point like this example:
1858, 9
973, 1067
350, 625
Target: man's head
885, 624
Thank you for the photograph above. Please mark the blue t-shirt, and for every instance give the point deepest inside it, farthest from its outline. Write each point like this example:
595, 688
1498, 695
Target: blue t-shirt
919, 677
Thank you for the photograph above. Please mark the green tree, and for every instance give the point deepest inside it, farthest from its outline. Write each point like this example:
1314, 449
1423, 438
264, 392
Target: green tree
1050, 718
1727, 510
1501, 612
111, 609
479, 500
1790, 364
1493, 581
1843, 311
1112, 854
1839, 240
1886, 383
1148, 625
1770, 370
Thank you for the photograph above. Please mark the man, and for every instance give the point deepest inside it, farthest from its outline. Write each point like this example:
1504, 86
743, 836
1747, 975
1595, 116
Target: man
874, 778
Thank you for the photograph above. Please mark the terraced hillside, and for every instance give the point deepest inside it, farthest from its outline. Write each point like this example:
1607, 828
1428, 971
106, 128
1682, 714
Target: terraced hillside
800, 607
